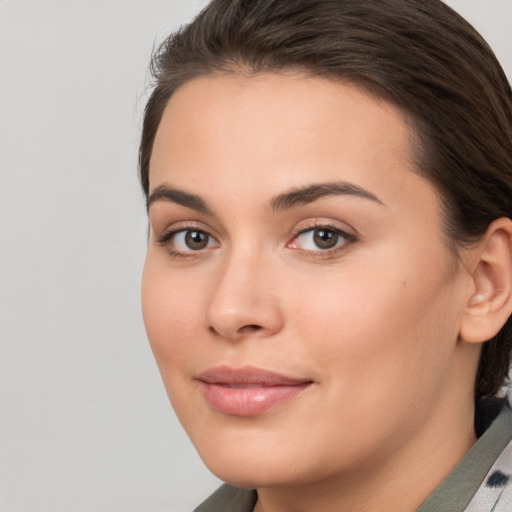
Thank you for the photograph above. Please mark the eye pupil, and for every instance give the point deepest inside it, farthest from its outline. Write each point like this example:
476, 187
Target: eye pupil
196, 239
325, 238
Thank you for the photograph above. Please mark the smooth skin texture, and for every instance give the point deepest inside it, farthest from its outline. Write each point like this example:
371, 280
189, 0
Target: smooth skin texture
241, 272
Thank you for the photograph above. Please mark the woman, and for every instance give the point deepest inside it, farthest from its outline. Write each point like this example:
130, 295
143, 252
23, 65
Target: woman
328, 284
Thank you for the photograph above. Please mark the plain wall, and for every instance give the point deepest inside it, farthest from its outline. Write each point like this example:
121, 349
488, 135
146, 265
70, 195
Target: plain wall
85, 423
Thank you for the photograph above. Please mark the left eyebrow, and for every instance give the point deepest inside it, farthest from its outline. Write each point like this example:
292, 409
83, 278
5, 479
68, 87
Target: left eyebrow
310, 193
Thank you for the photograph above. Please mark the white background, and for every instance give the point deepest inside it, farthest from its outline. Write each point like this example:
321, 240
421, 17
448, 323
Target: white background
85, 423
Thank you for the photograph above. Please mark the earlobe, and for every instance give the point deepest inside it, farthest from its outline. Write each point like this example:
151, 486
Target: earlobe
490, 304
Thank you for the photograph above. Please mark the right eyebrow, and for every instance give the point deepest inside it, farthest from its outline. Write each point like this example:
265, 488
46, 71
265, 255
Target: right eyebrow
174, 195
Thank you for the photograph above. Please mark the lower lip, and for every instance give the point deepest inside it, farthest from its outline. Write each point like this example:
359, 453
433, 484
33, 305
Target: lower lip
249, 401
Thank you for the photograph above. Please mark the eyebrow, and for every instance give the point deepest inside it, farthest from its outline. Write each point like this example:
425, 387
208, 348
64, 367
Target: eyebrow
173, 195
310, 193
284, 201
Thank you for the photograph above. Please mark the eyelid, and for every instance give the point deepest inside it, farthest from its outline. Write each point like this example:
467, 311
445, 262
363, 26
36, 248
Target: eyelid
327, 223
180, 227
347, 238
327, 226
175, 227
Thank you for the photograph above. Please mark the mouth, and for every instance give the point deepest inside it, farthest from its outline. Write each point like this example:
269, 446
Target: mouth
248, 391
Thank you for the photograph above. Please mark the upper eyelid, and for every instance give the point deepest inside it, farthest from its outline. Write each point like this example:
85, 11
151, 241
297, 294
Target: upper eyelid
344, 234
169, 233
184, 225
299, 228
347, 230
327, 227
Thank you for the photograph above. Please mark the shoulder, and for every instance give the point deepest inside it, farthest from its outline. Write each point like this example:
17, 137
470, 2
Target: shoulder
229, 499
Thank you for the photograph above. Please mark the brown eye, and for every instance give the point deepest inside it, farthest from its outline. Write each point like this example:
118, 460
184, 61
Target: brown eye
186, 241
325, 238
196, 240
320, 239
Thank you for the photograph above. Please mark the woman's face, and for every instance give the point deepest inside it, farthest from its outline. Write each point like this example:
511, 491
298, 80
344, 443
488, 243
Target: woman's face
299, 300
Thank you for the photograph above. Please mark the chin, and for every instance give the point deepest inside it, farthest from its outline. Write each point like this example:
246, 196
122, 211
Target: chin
251, 465
253, 477
245, 469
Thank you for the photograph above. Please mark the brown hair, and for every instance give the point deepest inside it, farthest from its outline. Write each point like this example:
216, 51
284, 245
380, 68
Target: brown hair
418, 54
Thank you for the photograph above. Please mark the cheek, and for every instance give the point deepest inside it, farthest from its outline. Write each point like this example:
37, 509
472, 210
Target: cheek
379, 324
172, 312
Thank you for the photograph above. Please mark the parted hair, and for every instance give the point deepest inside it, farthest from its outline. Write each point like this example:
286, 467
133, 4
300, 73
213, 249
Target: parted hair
418, 54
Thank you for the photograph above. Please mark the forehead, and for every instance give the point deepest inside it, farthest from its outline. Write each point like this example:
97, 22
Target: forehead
283, 103
230, 133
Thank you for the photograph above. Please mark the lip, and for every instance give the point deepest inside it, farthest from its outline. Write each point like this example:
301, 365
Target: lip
248, 391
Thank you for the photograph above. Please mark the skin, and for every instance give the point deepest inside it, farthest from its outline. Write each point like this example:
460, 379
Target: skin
373, 322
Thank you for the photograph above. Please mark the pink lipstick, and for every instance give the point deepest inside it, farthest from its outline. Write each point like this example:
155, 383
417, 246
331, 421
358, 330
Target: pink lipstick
248, 391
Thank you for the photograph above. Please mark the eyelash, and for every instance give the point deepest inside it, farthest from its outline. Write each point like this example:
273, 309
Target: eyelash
167, 236
349, 239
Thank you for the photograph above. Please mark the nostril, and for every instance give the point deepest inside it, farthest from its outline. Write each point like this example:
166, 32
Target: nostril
251, 327
237, 332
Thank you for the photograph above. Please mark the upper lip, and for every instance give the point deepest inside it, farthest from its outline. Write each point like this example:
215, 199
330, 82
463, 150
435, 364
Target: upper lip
248, 375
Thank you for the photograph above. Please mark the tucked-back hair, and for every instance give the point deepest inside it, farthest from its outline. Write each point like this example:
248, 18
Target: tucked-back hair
418, 54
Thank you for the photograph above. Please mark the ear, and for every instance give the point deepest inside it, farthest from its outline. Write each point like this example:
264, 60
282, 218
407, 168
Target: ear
490, 304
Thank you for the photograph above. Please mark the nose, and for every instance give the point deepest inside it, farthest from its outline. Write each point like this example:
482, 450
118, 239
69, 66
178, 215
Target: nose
244, 301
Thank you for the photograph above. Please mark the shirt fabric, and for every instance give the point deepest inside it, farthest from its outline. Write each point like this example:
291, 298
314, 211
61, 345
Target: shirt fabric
481, 482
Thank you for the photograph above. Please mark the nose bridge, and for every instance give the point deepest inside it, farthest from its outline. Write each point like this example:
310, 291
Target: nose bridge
242, 300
